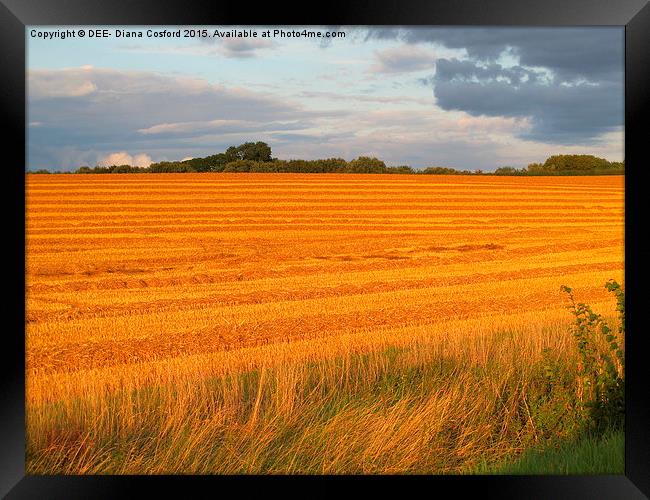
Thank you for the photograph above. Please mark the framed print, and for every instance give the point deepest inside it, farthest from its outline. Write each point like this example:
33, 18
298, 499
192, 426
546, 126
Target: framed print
382, 246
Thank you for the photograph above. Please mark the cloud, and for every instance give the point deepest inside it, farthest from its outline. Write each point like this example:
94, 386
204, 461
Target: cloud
568, 82
493, 96
431, 136
462, 71
192, 129
145, 111
237, 48
57, 84
402, 59
560, 112
124, 158
589, 52
338, 96
243, 47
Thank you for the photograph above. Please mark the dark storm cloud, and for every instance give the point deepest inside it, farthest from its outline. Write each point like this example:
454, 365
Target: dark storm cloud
568, 81
454, 69
559, 112
570, 52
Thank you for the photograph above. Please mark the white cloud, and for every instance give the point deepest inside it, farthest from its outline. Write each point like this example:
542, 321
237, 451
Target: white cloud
56, 85
220, 127
124, 158
404, 59
104, 83
198, 126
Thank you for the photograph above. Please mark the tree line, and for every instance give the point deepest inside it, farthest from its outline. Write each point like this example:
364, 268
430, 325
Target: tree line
567, 165
256, 157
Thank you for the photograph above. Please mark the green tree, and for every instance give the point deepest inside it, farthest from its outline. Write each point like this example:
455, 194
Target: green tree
534, 168
441, 171
255, 151
367, 165
507, 171
575, 162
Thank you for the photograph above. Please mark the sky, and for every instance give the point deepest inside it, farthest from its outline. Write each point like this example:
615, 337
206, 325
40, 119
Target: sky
463, 97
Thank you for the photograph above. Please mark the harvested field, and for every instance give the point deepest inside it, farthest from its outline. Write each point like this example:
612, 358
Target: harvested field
144, 281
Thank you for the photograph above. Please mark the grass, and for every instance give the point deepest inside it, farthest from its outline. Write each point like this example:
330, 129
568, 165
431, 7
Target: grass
438, 405
590, 455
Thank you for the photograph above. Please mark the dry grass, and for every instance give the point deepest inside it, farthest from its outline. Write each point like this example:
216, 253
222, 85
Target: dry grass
301, 323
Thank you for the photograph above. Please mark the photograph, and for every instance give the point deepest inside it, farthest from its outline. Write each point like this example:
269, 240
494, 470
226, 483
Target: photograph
324, 250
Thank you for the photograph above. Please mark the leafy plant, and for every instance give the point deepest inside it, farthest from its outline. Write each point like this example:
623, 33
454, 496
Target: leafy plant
601, 383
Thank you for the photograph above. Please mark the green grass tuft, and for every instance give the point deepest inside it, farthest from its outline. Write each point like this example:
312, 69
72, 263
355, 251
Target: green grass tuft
590, 455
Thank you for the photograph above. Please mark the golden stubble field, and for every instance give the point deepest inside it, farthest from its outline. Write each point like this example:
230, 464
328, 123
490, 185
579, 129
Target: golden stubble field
141, 281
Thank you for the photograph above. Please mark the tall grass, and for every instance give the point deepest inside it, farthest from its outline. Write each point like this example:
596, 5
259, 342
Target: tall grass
599, 399
430, 406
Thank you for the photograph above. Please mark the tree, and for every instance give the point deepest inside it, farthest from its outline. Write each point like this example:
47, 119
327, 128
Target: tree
440, 171
239, 165
507, 171
367, 165
559, 163
403, 169
535, 167
255, 151
123, 169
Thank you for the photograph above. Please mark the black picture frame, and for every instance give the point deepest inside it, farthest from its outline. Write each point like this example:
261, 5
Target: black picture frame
634, 15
